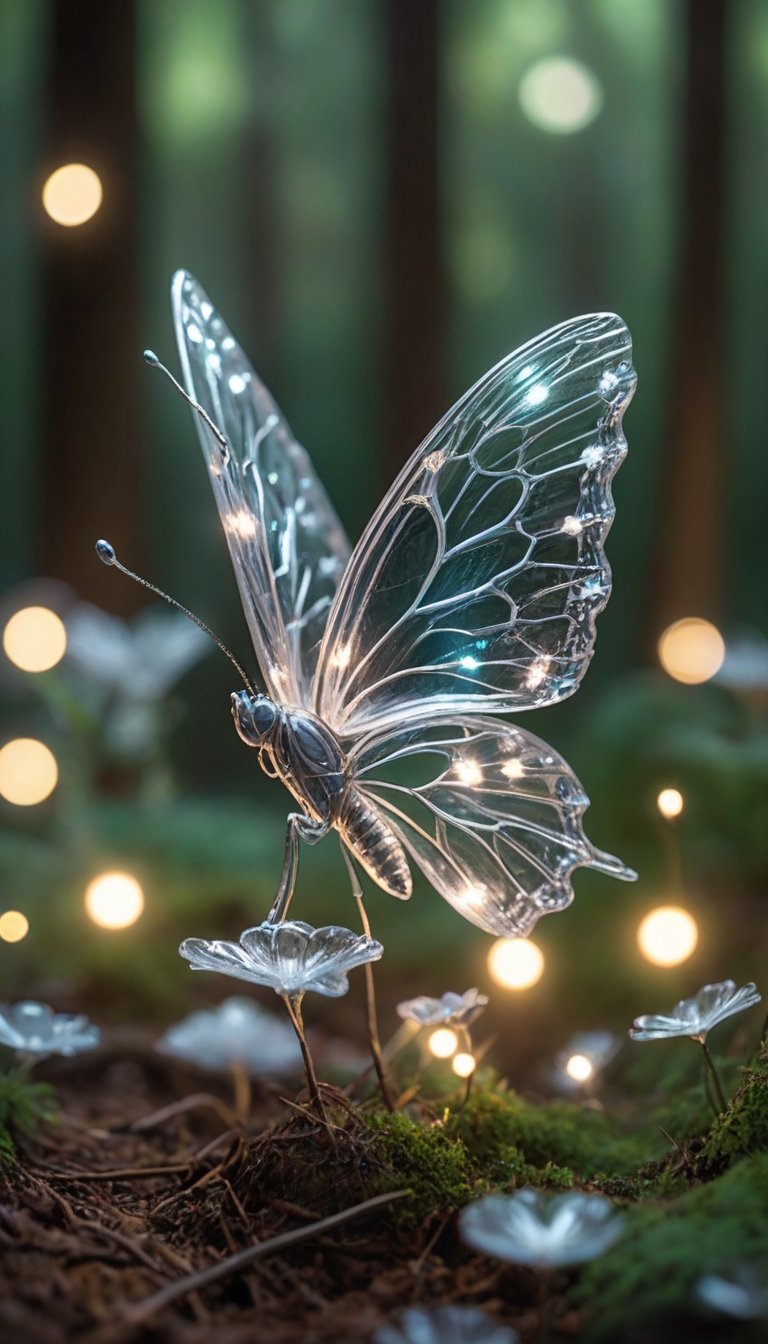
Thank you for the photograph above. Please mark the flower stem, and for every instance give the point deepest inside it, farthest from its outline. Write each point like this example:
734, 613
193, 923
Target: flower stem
241, 1081
293, 1004
374, 1042
714, 1075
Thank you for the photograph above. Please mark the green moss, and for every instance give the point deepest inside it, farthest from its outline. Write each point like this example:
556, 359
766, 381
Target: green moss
24, 1105
424, 1159
743, 1128
644, 1287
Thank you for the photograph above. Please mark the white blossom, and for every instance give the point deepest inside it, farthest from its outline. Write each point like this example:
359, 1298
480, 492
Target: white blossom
740, 1295
35, 1029
459, 1010
696, 1016
446, 1325
545, 1231
237, 1031
290, 956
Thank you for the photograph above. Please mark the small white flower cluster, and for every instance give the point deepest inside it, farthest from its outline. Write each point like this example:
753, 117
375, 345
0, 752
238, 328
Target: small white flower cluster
35, 1030
543, 1231
452, 1010
236, 1032
446, 1325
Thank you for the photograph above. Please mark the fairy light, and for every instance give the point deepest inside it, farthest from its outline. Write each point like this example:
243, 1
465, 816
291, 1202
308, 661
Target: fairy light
537, 672
463, 1064
668, 935
241, 524
13, 926
443, 1043
72, 194
579, 1068
670, 803
35, 639
342, 657
515, 963
114, 900
560, 95
513, 768
28, 772
691, 650
469, 772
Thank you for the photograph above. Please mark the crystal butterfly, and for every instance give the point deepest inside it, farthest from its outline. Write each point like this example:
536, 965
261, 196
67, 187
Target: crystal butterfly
472, 593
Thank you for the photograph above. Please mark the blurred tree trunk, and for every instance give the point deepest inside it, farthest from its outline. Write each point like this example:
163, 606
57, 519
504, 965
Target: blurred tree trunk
260, 247
413, 274
688, 578
92, 351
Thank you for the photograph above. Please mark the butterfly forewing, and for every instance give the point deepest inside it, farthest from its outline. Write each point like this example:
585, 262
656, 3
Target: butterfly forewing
490, 814
287, 545
476, 585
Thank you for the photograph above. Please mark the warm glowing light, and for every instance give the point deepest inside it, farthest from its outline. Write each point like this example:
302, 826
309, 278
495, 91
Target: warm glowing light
515, 963
469, 772
667, 935
443, 1042
513, 768
691, 650
560, 95
463, 1065
28, 772
72, 194
13, 926
35, 639
572, 526
670, 803
114, 900
342, 657
241, 524
579, 1068
537, 672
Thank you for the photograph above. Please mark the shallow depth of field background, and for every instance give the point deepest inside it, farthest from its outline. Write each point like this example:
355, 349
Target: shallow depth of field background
383, 199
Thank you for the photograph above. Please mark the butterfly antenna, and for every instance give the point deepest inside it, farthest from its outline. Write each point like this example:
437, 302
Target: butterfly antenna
154, 363
106, 554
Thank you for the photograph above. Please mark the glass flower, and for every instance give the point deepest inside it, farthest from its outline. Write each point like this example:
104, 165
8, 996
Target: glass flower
697, 1016
545, 1231
237, 1031
446, 1325
741, 1295
127, 668
459, 1010
291, 957
35, 1029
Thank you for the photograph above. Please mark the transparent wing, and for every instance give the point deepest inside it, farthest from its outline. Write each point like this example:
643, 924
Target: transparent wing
476, 585
286, 543
490, 814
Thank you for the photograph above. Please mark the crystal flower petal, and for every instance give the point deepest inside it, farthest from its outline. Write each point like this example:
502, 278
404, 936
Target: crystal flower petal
290, 957
698, 1015
740, 1295
528, 1228
458, 1009
237, 1031
35, 1029
446, 1325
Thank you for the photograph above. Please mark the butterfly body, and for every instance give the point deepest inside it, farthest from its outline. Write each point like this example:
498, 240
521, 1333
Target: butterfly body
472, 594
296, 747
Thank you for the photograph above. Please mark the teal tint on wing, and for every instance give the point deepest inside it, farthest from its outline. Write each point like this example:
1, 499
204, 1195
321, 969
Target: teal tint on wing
476, 585
286, 543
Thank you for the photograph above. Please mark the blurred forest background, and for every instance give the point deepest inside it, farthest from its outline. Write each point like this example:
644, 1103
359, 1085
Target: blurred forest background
383, 198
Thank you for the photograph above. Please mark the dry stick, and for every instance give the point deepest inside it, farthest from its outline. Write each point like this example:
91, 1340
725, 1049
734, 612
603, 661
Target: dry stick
203, 1277
241, 1080
193, 1102
370, 990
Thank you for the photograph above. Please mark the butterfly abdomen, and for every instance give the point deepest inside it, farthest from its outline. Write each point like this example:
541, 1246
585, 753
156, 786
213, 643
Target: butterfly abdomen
374, 844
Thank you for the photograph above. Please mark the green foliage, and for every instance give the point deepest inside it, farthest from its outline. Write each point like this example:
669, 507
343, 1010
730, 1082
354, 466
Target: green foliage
423, 1158
644, 1286
743, 1128
24, 1104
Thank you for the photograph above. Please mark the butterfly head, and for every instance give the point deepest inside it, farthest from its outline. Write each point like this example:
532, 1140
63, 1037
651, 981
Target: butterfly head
255, 717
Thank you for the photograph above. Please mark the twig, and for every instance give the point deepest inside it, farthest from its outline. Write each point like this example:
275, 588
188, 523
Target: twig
213, 1273
191, 1103
715, 1076
370, 989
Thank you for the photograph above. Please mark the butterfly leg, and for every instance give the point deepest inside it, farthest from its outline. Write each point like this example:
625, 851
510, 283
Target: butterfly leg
299, 827
374, 1041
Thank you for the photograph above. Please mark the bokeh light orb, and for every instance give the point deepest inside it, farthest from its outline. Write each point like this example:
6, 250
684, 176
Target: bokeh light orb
668, 935
72, 194
35, 639
114, 900
28, 772
670, 803
443, 1043
13, 926
579, 1068
691, 650
560, 95
463, 1064
515, 963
